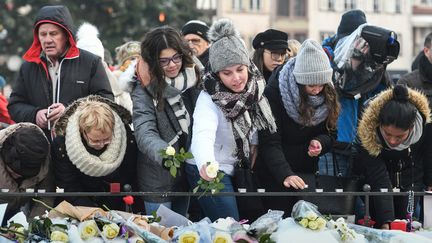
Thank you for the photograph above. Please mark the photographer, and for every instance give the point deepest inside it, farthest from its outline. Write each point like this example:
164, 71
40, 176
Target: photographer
357, 76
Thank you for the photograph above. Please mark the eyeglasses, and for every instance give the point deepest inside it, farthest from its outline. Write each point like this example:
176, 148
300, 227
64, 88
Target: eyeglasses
177, 58
97, 142
275, 56
194, 41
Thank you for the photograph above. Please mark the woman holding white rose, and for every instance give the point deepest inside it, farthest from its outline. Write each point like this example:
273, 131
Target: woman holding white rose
162, 114
229, 110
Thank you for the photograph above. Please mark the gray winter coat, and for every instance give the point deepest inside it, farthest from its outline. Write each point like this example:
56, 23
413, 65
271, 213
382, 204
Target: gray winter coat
154, 129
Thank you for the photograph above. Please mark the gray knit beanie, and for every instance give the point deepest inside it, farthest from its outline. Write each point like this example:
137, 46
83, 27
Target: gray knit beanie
312, 66
227, 47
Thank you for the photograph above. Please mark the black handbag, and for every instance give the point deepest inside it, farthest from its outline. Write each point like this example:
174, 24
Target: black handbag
244, 178
334, 205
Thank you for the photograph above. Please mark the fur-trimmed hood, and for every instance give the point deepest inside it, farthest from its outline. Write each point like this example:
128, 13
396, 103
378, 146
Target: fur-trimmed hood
60, 126
370, 119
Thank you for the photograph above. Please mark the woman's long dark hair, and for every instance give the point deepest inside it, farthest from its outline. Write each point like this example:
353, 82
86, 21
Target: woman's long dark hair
399, 111
154, 42
258, 59
330, 100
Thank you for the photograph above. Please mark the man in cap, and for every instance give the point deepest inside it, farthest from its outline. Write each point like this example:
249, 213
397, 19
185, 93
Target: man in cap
195, 33
55, 72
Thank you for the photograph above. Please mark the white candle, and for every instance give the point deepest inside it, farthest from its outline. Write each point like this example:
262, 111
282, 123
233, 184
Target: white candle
339, 190
59, 190
260, 190
242, 190
29, 190
384, 189
319, 190
4, 190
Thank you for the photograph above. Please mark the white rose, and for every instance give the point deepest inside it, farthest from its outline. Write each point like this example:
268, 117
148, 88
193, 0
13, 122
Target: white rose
110, 231
170, 150
59, 236
212, 169
321, 223
311, 215
88, 229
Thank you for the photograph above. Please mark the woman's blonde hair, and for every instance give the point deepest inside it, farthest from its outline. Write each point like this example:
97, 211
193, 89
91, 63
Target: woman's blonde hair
293, 48
96, 115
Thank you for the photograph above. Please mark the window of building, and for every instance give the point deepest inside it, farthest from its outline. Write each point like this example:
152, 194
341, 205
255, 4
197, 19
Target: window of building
237, 5
255, 5
376, 6
350, 4
331, 5
398, 6
300, 8
283, 7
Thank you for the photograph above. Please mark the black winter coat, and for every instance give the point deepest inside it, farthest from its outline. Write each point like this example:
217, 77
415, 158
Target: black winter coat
80, 73
383, 167
284, 153
69, 177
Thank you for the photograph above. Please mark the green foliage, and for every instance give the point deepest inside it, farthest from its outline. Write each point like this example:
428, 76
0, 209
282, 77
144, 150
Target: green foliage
154, 219
118, 21
174, 162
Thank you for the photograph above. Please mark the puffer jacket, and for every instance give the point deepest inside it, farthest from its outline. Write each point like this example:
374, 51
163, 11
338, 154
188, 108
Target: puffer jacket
383, 167
72, 179
80, 73
43, 180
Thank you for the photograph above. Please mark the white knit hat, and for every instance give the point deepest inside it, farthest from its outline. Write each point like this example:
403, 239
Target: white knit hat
312, 66
87, 36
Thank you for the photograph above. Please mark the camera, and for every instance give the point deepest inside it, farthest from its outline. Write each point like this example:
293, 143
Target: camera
384, 47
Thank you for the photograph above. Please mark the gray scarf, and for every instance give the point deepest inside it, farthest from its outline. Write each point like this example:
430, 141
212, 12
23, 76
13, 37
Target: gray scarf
412, 138
291, 98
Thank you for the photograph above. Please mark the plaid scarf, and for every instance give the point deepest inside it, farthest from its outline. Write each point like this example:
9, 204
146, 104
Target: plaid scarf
245, 110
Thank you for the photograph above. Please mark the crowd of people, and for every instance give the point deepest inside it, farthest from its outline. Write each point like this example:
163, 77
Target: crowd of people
289, 108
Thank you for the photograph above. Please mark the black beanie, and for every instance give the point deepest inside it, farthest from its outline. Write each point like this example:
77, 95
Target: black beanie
25, 150
196, 27
271, 39
350, 21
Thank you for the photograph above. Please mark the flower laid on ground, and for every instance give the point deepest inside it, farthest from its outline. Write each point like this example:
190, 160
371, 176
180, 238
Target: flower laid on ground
59, 236
222, 237
189, 237
312, 221
345, 233
110, 231
173, 160
15, 232
88, 229
215, 184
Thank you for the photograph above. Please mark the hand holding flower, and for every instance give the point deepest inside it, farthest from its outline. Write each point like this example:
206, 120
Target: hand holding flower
172, 160
210, 178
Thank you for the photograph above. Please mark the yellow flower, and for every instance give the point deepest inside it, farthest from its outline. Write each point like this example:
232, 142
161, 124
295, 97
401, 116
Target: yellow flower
311, 215
212, 169
59, 236
170, 150
20, 237
321, 223
189, 237
313, 225
304, 222
89, 230
110, 231
222, 237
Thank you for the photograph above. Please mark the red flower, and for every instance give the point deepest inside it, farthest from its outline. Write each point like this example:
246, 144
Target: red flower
129, 200
366, 221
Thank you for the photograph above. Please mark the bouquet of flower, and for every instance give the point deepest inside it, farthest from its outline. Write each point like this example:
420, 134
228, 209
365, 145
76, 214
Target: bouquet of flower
345, 233
173, 160
215, 184
39, 229
307, 215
